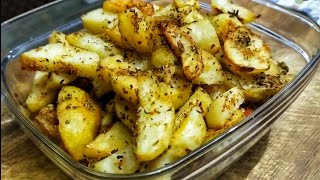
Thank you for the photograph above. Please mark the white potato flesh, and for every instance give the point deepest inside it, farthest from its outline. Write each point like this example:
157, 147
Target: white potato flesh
222, 108
126, 112
212, 71
45, 88
242, 13
56, 57
122, 162
224, 24
115, 139
156, 119
98, 21
190, 133
126, 86
92, 43
204, 35
199, 98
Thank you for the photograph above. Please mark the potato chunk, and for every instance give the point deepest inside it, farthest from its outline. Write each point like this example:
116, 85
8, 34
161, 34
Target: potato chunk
92, 43
242, 13
115, 139
121, 162
126, 112
156, 119
140, 34
126, 86
44, 89
185, 48
204, 35
221, 109
212, 71
98, 21
56, 57
224, 24
79, 117
199, 98
246, 49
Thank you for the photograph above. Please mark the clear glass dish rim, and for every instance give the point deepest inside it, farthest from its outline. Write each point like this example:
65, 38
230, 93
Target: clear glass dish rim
307, 71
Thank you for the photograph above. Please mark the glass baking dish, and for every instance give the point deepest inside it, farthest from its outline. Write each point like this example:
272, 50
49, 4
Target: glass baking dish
293, 39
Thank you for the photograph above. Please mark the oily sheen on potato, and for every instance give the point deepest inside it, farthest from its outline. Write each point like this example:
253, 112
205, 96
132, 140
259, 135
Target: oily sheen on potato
143, 85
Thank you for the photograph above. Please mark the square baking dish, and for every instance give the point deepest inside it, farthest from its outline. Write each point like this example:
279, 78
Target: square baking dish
293, 38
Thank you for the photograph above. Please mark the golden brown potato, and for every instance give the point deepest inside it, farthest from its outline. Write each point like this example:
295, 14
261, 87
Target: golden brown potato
113, 35
79, 117
221, 109
115, 139
199, 98
235, 118
155, 119
190, 132
188, 15
98, 21
126, 112
140, 34
258, 88
227, 6
45, 88
117, 6
163, 56
246, 49
204, 35
92, 43
212, 71
224, 24
56, 57
48, 121
179, 91
126, 86
58, 37
121, 162
185, 48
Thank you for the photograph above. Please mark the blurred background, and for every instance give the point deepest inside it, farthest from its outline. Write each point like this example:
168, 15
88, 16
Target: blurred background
11, 8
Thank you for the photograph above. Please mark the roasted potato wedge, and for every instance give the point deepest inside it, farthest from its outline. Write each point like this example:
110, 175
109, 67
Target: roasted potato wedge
155, 119
242, 13
140, 34
199, 98
121, 162
79, 117
185, 48
212, 71
56, 57
101, 87
246, 49
126, 112
179, 91
44, 89
224, 24
98, 21
235, 118
215, 90
204, 35
113, 35
92, 43
115, 139
126, 86
221, 109
192, 127
58, 37
258, 88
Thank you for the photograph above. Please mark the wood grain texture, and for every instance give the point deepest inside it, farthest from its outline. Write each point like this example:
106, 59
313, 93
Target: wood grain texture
290, 151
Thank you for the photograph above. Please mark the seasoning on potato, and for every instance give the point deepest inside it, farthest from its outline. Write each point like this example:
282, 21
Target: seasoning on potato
157, 81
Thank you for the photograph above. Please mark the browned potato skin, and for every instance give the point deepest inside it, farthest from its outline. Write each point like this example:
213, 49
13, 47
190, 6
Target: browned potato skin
185, 47
79, 117
48, 121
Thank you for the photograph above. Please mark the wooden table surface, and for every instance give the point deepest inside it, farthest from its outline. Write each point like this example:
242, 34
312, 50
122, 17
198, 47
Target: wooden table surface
290, 151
